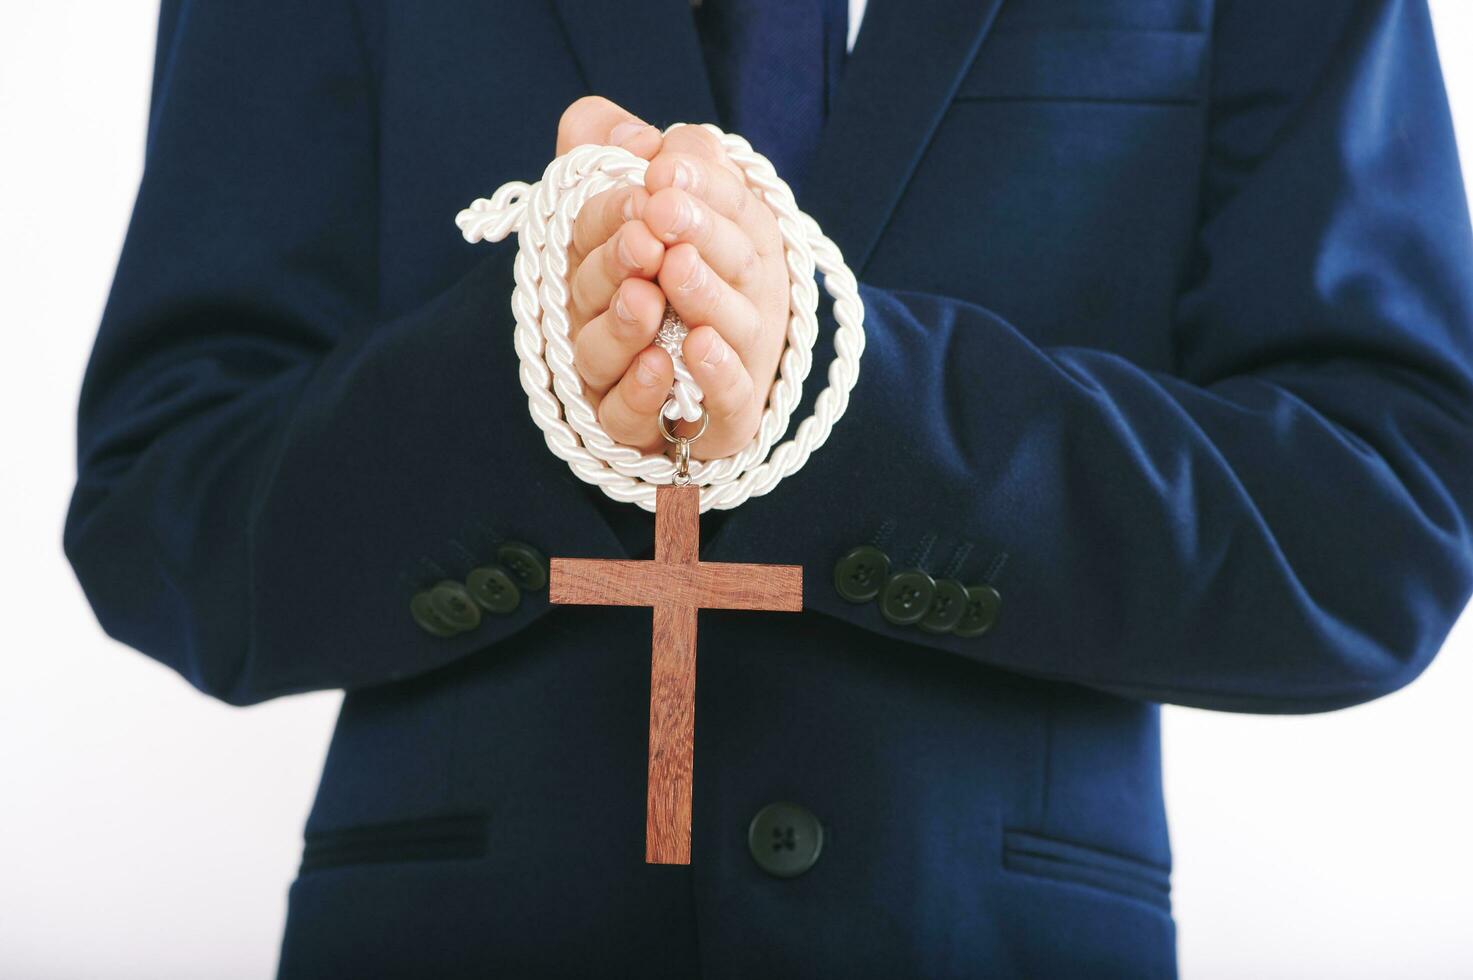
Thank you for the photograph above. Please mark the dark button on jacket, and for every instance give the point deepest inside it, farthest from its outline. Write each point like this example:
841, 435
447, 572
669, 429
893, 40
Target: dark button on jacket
947, 607
785, 839
453, 605
525, 563
493, 590
860, 574
907, 596
422, 609
983, 603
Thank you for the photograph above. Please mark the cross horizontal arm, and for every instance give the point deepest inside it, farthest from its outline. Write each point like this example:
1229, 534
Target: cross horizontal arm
704, 585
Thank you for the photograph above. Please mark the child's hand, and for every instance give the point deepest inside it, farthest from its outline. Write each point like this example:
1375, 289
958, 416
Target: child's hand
715, 251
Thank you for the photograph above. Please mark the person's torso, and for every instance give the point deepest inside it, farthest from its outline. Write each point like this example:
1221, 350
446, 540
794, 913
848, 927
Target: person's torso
971, 815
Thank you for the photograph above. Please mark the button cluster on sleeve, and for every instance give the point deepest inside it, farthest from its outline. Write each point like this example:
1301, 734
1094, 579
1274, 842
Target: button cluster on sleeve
911, 597
449, 608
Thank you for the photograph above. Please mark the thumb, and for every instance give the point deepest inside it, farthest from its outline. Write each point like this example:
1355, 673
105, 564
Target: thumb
594, 119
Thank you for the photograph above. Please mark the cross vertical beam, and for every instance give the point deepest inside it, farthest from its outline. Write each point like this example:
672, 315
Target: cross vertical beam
672, 735
676, 585
672, 686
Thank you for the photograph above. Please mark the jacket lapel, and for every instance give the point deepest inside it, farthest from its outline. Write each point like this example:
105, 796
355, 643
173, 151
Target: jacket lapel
907, 61
904, 69
644, 55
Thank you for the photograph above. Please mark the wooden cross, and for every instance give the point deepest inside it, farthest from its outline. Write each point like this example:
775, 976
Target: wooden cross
677, 584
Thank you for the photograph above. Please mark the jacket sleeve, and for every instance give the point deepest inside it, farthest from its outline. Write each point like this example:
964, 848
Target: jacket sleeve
267, 474
1280, 523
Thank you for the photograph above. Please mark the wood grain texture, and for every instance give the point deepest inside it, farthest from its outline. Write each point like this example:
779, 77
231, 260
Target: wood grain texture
676, 584
704, 585
678, 524
672, 735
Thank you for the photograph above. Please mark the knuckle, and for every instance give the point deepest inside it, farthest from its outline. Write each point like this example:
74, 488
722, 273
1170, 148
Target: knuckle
746, 264
743, 200
751, 320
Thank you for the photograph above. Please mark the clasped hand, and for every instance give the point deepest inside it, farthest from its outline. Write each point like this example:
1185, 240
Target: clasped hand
696, 236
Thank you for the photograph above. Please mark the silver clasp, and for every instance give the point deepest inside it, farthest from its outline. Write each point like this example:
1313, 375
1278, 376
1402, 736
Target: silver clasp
682, 446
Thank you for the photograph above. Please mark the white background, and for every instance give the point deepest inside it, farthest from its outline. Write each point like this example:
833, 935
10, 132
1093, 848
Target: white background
146, 831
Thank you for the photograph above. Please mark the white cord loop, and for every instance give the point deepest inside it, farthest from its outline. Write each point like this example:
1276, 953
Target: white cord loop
542, 214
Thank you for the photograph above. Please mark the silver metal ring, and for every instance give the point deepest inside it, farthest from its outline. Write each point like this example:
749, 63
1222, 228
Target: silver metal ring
673, 438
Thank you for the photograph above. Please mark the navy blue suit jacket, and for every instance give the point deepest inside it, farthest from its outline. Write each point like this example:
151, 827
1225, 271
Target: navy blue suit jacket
1170, 338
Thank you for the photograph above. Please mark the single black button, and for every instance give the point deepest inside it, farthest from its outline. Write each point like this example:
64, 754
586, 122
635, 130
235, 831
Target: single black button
421, 608
947, 607
907, 596
860, 574
983, 603
526, 564
493, 590
785, 839
453, 604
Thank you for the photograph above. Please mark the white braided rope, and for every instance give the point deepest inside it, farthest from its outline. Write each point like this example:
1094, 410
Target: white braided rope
542, 214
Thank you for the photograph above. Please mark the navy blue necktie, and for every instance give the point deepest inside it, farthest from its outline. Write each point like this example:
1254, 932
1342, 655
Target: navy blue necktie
773, 65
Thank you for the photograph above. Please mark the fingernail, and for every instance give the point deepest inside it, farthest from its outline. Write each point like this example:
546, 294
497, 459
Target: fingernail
622, 132
645, 374
686, 216
716, 354
684, 176
620, 310
625, 258
628, 210
695, 278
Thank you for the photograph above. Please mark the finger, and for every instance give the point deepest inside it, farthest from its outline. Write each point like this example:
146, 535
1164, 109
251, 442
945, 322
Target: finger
700, 142
724, 380
630, 411
594, 119
675, 216
606, 346
601, 216
725, 192
702, 298
632, 251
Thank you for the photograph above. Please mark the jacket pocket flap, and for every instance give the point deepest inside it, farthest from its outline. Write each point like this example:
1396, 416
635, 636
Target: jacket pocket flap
429, 839
1049, 857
